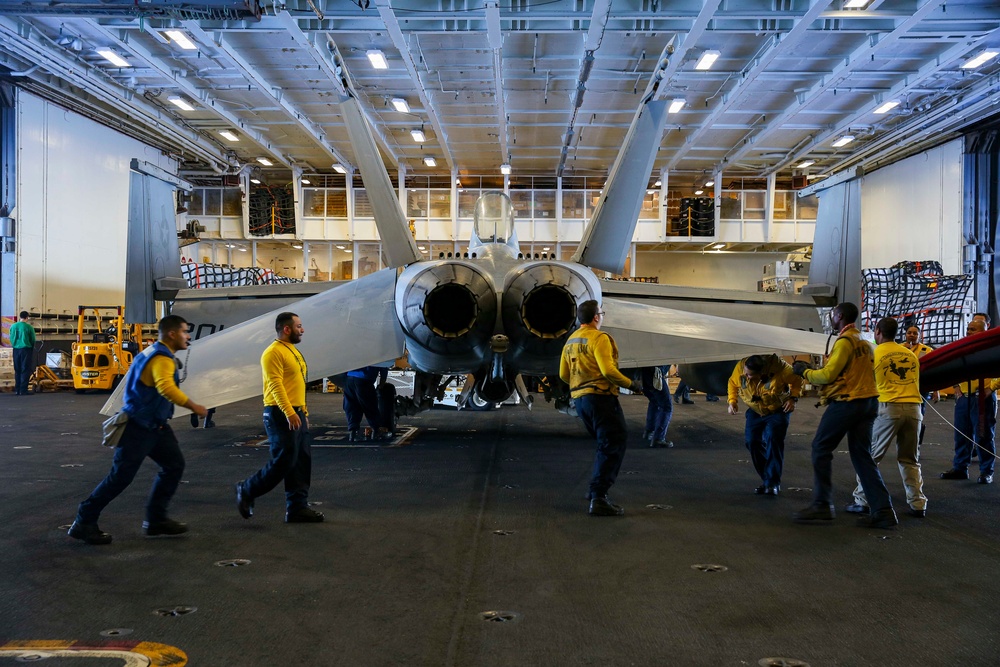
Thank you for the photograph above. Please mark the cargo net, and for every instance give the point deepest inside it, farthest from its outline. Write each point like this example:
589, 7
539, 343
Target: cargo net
272, 211
916, 294
200, 276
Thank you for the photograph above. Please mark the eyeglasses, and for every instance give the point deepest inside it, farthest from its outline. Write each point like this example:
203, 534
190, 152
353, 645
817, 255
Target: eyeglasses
601, 313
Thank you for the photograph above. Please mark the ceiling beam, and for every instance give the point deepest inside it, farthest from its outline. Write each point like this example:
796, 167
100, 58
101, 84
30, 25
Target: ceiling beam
862, 54
399, 41
687, 42
779, 45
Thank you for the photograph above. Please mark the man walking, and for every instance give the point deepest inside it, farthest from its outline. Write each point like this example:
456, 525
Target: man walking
897, 378
847, 386
770, 390
589, 365
659, 411
975, 422
22, 339
151, 391
287, 426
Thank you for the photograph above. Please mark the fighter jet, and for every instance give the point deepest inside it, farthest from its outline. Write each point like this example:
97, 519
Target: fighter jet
493, 314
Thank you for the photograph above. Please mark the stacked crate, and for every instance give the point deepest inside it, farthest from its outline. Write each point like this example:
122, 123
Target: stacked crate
6, 369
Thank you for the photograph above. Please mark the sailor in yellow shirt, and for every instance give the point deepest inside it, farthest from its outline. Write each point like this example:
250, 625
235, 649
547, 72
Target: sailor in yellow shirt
149, 397
971, 398
847, 385
589, 364
913, 344
897, 377
287, 426
770, 389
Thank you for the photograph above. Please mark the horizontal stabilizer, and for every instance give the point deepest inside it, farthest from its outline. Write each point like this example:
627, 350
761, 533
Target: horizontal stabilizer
397, 242
346, 327
651, 336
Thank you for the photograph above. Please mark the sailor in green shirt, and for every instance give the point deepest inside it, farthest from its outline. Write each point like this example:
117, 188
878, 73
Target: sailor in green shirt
22, 339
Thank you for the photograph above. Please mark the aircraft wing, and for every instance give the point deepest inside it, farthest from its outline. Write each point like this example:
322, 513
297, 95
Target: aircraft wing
650, 336
347, 327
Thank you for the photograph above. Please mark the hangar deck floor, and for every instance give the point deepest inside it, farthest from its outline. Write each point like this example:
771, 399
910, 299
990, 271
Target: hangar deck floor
410, 556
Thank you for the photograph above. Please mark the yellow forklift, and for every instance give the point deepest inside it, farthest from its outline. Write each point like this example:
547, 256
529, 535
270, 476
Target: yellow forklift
102, 361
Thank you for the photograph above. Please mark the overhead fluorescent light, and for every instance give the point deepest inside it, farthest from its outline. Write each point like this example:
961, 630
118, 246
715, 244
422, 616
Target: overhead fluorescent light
658, 183
113, 58
709, 184
430, 162
545, 249
229, 135
699, 192
242, 249
418, 136
420, 247
707, 59
181, 39
856, 4
650, 192
180, 102
718, 246
505, 169
340, 247
264, 161
255, 181
981, 59
676, 105
306, 181
348, 251
806, 163
400, 104
887, 107
297, 246
377, 59
340, 170
843, 141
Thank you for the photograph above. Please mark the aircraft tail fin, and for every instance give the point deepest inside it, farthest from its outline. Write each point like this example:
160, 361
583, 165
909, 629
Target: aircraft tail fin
153, 261
835, 266
607, 239
397, 242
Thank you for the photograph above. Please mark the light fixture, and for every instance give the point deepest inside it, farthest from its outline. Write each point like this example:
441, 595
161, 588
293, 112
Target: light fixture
658, 183
856, 4
113, 58
545, 249
340, 170
401, 105
181, 40
699, 192
306, 181
718, 246
227, 134
505, 169
887, 107
458, 182
180, 102
707, 59
264, 161
804, 164
255, 181
676, 105
418, 136
420, 247
650, 192
981, 59
242, 249
340, 247
377, 59
430, 162
297, 246
709, 184
843, 141
348, 250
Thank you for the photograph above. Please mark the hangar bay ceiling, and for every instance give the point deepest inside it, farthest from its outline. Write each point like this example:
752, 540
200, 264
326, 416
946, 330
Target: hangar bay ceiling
548, 87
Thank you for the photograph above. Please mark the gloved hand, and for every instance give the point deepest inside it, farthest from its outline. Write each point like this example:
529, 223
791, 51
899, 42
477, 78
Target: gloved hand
799, 368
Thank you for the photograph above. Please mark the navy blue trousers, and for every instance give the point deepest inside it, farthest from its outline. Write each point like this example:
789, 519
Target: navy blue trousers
136, 444
360, 399
291, 460
604, 419
855, 420
23, 368
967, 426
765, 439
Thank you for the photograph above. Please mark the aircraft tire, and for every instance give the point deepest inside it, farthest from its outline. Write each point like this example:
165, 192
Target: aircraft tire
478, 404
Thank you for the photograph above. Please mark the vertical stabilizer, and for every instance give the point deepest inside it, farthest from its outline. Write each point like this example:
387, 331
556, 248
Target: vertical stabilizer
397, 242
153, 262
608, 237
835, 267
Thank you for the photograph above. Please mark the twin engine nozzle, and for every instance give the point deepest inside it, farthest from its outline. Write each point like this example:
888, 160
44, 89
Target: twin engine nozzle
451, 310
